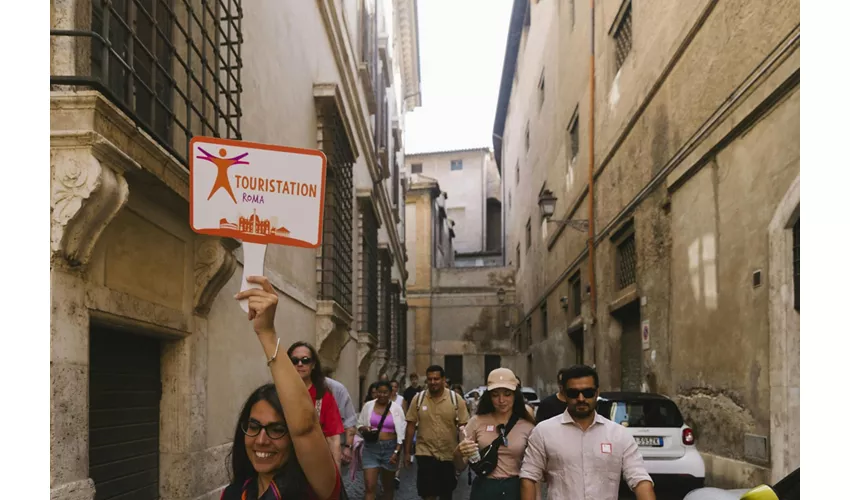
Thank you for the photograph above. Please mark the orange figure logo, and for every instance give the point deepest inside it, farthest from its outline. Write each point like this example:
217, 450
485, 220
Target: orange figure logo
221, 179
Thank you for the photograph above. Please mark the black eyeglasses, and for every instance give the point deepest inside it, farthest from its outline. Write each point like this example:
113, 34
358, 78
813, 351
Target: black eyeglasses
304, 360
274, 430
587, 393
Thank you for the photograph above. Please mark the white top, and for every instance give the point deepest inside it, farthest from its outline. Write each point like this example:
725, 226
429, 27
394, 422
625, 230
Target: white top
395, 410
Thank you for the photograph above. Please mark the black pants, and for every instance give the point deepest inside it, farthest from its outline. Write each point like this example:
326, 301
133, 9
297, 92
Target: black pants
435, 478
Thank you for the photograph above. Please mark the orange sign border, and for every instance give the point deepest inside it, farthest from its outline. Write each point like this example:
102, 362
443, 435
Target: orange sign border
279, 240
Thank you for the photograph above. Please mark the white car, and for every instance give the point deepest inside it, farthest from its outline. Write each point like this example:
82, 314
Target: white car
666, 442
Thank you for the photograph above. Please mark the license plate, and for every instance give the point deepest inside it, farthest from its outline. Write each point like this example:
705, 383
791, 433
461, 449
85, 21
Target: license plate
655, 442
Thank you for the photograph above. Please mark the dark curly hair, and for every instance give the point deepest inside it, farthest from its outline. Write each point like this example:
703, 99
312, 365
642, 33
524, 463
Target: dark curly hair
290, 480
317, 376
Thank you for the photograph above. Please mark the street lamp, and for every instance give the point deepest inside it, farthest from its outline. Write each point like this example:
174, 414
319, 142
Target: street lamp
546, 201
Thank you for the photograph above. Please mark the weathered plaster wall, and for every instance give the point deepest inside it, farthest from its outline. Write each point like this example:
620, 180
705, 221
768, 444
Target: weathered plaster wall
702, 235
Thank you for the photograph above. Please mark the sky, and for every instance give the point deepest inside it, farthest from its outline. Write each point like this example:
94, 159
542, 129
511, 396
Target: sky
461, 50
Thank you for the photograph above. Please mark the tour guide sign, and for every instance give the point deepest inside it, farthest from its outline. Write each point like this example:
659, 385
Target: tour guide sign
256, 193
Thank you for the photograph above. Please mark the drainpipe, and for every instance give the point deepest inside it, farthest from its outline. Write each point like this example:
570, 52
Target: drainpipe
591, 231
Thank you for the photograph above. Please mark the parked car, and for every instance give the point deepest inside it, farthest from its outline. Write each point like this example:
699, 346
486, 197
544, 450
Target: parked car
666, 442
531, 398
787, 488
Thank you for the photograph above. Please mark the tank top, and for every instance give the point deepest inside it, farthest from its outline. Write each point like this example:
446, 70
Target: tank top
389, 425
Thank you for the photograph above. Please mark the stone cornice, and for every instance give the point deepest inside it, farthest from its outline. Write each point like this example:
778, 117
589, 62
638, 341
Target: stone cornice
346, 59
406, 24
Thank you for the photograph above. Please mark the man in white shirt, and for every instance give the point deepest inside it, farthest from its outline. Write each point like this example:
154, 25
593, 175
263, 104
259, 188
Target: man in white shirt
582, 454
348, 414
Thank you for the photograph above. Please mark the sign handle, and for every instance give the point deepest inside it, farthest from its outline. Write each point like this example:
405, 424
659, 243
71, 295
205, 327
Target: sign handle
254, 257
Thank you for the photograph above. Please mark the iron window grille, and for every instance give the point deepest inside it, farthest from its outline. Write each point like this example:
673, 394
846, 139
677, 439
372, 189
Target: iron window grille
527, 137
528, 235
544, 320
626, 262
623, 36
394, 329
528, 333
516, 177
415, 168
334, 259
369, 270
456, 165
575, 292
574, 139
384, 307
541, 90
172, 66
402, 337
796, 258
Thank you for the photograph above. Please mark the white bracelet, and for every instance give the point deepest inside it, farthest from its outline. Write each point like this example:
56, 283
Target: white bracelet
275, 352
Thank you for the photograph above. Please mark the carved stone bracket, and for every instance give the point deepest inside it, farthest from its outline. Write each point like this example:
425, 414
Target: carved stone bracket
365, 352
332, 327
392, 369
214, 265
381, 361
85, 195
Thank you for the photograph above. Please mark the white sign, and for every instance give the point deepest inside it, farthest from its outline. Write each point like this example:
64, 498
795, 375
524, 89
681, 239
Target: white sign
257, 193
644, 334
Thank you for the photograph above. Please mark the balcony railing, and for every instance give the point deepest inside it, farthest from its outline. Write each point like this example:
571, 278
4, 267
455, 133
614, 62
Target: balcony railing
173, 66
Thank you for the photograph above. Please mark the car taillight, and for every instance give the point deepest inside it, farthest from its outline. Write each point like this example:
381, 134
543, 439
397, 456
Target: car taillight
688, 436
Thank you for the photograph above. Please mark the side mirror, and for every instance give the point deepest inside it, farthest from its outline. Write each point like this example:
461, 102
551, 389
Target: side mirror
762, 492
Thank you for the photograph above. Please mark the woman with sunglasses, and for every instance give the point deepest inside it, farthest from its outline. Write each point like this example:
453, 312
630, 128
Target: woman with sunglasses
279, 450
305, 359
382, 424
502, 414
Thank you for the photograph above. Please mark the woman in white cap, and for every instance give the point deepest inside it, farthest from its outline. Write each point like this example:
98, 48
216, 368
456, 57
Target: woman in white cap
495, 439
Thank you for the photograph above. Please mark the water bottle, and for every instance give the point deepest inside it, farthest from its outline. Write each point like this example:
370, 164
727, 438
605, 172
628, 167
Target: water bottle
474, 459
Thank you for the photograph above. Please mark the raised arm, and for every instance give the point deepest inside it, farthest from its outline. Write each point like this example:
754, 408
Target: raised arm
308, 441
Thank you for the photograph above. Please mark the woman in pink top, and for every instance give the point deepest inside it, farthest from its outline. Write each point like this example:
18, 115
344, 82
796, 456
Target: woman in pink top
382, 425
502, 416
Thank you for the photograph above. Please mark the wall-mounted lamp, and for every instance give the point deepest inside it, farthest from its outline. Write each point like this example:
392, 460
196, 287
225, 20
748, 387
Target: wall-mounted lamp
546, 201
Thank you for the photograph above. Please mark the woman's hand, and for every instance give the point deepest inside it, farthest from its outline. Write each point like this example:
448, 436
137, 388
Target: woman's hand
467, 448
394, 458
262, 304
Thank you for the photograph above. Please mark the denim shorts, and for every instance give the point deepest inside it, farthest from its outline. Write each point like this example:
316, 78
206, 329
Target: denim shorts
379, 453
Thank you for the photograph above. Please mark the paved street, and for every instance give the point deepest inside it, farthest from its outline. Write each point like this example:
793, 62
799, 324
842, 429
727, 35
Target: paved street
355, 489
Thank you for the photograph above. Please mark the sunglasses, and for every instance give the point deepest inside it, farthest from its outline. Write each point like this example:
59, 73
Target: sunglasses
587, 393
274, 430
306, 360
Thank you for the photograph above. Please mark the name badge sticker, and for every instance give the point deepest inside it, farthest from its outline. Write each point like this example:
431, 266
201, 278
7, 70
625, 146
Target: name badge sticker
606, 448
424, 408
491, 428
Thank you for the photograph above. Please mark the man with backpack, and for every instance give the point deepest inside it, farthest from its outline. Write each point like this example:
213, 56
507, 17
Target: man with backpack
435, 415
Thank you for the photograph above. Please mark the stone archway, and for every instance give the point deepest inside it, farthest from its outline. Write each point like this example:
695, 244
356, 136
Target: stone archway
784, 338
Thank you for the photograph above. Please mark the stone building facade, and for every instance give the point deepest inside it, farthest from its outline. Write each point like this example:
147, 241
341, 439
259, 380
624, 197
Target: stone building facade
150, 355
458, 317
681, 139
473, 192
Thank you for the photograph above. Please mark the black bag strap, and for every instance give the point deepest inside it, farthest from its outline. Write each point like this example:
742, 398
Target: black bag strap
510, 425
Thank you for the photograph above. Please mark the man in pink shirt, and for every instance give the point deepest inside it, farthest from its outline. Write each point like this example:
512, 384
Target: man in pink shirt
582, 454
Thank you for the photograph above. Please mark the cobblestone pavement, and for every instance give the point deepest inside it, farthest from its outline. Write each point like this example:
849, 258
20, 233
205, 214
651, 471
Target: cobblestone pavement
407, 491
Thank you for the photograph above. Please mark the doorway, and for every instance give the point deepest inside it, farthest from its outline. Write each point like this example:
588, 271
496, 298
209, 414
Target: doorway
125, 389
631, 350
